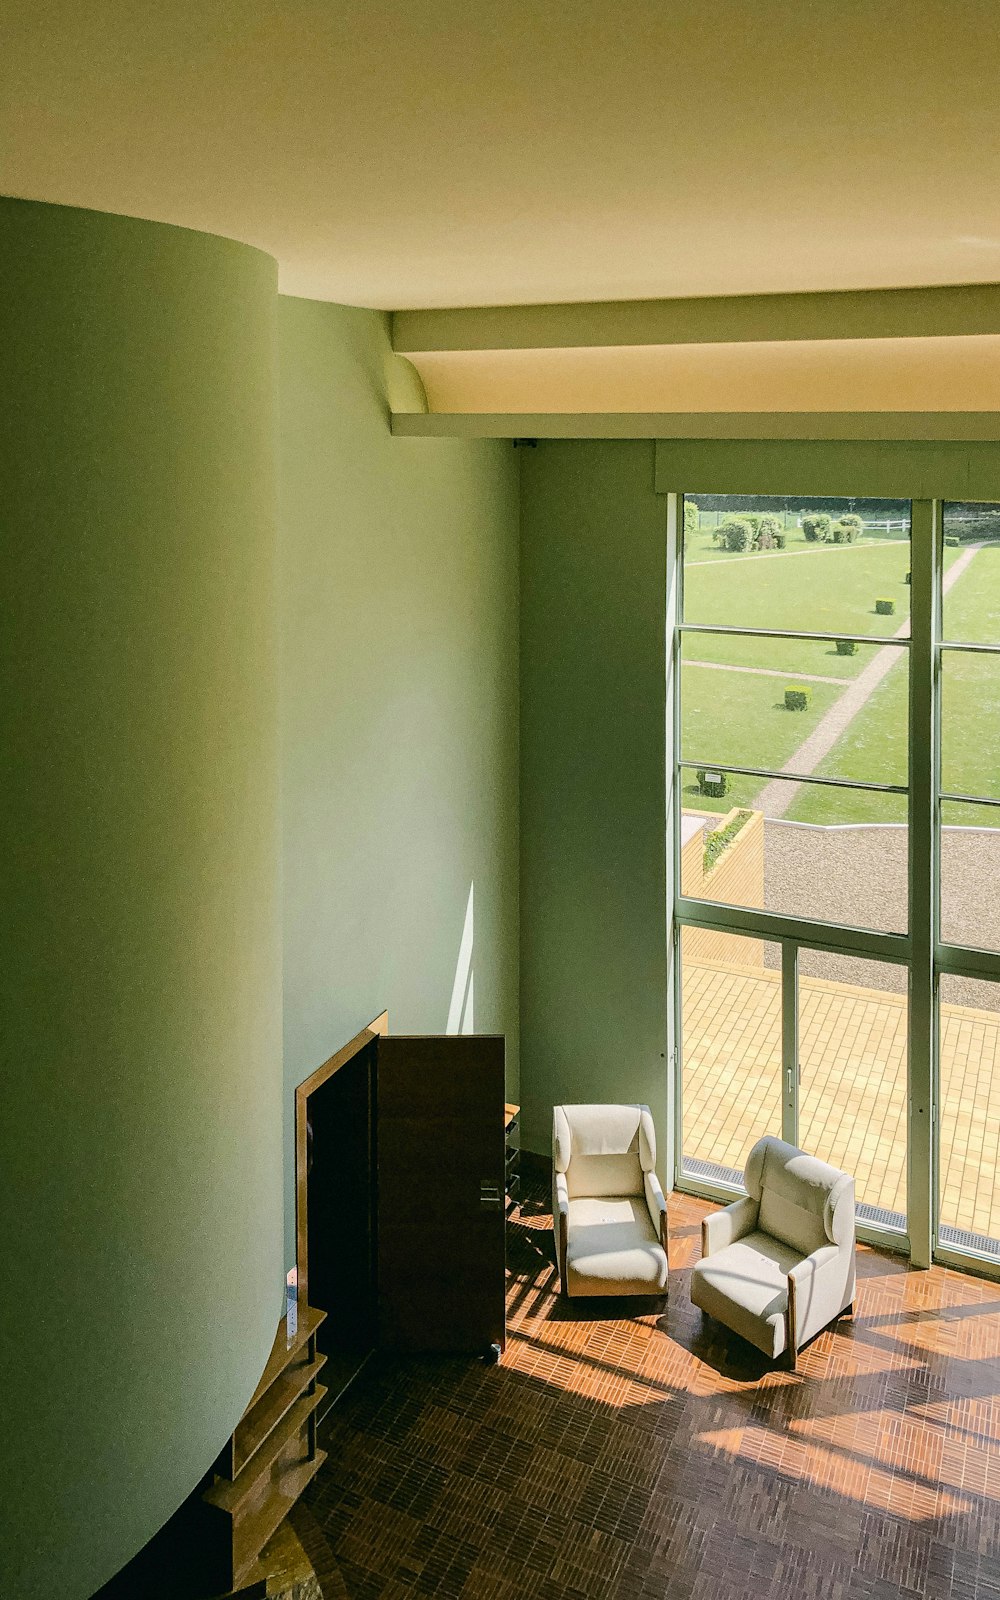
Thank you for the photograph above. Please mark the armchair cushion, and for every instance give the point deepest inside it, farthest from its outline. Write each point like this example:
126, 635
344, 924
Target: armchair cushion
746, 1287
613, 1247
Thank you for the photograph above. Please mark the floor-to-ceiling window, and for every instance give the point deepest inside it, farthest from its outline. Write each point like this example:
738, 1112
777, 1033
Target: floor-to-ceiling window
837, 806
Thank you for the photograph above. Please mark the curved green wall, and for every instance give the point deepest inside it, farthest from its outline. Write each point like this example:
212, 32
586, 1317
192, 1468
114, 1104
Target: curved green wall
140, 1108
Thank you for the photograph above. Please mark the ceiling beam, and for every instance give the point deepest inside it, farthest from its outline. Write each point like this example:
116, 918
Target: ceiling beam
983, 426
737, 319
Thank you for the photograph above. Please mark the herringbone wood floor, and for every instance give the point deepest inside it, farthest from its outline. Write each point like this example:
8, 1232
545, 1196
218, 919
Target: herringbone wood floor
655, 1456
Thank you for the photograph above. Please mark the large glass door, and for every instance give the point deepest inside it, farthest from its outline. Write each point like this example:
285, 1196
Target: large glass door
792, 723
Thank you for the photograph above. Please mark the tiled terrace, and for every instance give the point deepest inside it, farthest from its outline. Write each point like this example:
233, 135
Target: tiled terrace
852, 1095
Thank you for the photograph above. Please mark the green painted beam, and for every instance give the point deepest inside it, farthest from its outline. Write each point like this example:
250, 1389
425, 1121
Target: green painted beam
724, 319
893, 426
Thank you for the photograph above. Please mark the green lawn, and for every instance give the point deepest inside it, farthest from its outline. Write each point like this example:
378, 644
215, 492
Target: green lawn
740, 717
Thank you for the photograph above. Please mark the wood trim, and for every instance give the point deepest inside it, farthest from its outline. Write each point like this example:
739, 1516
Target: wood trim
665, 1237
563, 1249
316, 1079
792, 1326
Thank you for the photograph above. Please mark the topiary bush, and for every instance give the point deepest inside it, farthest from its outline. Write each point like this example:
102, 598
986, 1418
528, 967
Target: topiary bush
952, 538
768, 529
885, 608
780, 540
754, 519
735, 533
847, 647
850, 519
690, 516
816, 527
713, 782
844, 532
797, 697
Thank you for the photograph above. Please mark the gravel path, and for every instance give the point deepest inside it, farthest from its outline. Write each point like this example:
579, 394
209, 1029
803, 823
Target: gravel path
777, 796
857, 875
767, 672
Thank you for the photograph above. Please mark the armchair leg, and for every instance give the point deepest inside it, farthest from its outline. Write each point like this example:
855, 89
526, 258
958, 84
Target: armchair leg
793, 1358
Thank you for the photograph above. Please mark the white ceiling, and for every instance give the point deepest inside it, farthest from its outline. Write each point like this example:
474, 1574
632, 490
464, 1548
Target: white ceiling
471, 152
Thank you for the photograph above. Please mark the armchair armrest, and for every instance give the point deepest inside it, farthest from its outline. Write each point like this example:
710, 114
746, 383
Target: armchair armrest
722, 1228
657, 1210
801, 1287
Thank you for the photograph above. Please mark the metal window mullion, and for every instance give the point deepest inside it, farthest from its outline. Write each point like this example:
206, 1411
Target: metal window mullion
901, 641
789, 1041
925, 590
674, 1154
776, 926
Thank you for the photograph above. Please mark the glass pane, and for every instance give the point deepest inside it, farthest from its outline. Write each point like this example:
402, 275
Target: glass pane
969, 1149
805, 850
844, 717
970, 875
730, 1051
970, 610
852, 1077
802, 579
970, 723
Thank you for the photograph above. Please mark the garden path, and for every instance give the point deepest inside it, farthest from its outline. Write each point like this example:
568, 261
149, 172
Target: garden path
778, 794
766, 672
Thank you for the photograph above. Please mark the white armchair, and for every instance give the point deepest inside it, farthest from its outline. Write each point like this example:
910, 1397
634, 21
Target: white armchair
608, 1210
778, 1265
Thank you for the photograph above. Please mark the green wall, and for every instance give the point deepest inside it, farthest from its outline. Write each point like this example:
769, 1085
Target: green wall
594, 582
139, 1131
399, 597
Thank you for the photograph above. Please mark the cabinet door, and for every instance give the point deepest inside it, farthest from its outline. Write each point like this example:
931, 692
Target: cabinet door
440, 1144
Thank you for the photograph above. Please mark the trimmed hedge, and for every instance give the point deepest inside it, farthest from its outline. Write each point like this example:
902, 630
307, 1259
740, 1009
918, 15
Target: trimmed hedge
719, 839
816, 526
847, 647
797, 697
768, 532
735, 533
952, 538
844, 531
885, 608
717, 788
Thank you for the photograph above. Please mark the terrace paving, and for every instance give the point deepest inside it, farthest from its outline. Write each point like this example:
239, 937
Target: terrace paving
852, 1096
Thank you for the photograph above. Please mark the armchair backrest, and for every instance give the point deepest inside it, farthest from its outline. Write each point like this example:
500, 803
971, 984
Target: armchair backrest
603, 1150
803, 1201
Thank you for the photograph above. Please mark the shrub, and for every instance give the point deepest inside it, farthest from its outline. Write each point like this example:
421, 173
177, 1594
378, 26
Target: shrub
754, 518
952, 538
713, 782
844, 532
690, 517
797, 697
816, 526
847, 647
850, 519
735, 533
885, 608
780, 540
768, 530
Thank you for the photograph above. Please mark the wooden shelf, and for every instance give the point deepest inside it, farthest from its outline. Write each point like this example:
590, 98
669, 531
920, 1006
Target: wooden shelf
257, 1530
232, 1495
282, 1351
272, 1454
273, 1405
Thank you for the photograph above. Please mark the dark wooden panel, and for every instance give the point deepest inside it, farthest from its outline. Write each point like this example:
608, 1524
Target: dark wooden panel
440, 1136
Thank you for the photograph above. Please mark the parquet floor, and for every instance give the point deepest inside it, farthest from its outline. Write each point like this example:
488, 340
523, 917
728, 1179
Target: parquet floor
627, 1453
